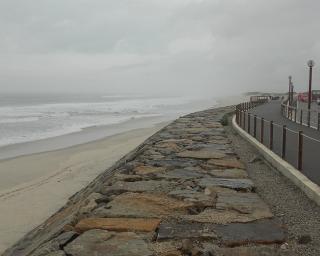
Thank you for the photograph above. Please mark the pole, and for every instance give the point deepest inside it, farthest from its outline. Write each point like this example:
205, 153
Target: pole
249, 119
300, 148
310, 64
284, 141
262, 130
255, 126
271, 135
289, 93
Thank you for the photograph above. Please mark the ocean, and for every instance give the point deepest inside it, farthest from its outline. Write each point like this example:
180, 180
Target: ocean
32, 117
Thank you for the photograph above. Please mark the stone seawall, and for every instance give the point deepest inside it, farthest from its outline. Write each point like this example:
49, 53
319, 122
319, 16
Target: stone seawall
182, 192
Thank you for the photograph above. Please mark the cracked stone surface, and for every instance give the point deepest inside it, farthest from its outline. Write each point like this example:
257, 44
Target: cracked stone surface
118, 224
186, 230
140, 186
227, 163
142, 205
182, 192
100, 242
259, 232
202, 154
237, 184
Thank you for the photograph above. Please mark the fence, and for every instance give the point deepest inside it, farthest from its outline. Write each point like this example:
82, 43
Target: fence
310, 118
295, 147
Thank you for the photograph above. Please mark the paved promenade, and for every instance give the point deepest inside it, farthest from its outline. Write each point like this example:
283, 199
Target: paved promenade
182, 192
311, 148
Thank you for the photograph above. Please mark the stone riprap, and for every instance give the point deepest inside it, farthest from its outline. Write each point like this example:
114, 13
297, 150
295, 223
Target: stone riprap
182, 192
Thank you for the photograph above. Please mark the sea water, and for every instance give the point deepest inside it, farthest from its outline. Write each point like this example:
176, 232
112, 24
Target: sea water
31, 117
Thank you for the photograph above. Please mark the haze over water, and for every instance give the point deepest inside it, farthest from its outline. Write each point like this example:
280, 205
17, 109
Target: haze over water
25, 118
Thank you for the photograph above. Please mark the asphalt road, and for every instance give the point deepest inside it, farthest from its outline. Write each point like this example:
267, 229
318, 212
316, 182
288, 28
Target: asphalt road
311, 147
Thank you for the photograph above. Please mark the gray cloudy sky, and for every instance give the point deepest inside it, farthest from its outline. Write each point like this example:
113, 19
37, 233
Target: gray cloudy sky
157, 46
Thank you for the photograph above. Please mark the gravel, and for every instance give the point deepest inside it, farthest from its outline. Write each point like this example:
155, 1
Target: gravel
295, 210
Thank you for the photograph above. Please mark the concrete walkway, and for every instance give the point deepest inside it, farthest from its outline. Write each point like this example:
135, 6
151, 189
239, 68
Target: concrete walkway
182, 192
311, 148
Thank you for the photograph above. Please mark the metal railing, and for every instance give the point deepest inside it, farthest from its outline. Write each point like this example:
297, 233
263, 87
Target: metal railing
305, 117
290, 145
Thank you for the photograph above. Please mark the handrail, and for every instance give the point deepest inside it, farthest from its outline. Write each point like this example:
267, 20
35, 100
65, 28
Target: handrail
310, 119
244, 118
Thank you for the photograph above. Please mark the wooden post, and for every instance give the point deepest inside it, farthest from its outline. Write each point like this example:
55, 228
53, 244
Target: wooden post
284, 141
249, 122
318, 121
255, 126
271, 135
262, 130
295, 115
301, 116
244, 120
300, 149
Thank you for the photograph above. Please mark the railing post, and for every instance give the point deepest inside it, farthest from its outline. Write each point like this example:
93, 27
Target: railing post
249, 122
255, 126
271, 135
308, 121
300, 150
244, 120
262, 130
318, 122
284, 141
295, 115
301, 112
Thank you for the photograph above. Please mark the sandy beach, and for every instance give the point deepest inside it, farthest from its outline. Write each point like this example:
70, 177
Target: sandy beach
35, 186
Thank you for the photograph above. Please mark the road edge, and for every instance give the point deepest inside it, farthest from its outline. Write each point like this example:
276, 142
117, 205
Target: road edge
311, 189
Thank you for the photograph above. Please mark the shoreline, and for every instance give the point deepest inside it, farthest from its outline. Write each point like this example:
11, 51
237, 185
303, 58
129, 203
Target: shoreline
86, 135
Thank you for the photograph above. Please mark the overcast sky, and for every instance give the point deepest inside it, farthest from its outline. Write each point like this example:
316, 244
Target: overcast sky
157, 46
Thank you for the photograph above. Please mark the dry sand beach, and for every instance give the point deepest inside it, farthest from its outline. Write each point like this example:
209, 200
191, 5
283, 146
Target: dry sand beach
38, 185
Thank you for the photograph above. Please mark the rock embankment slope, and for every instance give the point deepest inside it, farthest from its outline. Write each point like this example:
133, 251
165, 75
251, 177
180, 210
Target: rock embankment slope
182, 192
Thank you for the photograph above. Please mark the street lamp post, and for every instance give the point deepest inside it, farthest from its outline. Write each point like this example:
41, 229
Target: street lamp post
290, 97
310, 65
289, 94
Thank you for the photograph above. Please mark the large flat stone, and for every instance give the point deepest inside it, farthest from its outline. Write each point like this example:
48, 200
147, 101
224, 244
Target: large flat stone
171, 164
118, 224
198, 198
237, 184
227, 163
247, 203
178, 174
171, 146
201, 154
126, 177
142, 205
139, 186
258, 232
183, 230
196, 130
228, 173
144, 170
215, 216
100, 243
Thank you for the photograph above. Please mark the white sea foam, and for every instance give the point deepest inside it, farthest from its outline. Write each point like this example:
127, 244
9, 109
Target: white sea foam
34, 121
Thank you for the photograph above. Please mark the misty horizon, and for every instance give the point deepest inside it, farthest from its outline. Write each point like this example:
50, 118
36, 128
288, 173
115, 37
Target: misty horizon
193, 47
